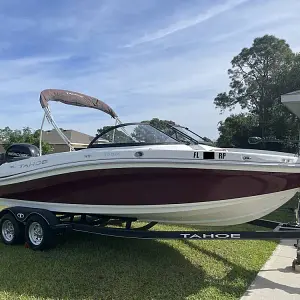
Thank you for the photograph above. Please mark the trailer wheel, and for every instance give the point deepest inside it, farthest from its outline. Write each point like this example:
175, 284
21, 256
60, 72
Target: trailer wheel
12, 232
38, 234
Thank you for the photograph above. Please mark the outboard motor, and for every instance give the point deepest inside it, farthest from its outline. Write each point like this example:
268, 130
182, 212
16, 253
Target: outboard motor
21, 151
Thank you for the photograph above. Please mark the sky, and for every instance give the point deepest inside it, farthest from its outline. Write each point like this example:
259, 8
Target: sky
145, 58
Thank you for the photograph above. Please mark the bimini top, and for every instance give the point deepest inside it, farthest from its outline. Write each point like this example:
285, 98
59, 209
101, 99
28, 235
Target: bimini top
292, 102
74, 98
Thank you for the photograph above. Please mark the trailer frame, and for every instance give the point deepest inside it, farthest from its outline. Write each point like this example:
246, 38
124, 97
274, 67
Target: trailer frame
53, 224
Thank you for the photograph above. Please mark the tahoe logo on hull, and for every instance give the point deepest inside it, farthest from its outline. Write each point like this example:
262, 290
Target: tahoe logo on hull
33, 164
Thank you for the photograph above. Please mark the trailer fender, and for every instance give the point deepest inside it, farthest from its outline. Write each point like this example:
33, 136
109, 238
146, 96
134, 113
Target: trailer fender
23, 213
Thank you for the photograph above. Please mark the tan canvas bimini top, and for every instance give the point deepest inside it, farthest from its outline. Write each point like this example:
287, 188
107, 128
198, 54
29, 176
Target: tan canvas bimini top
74, 98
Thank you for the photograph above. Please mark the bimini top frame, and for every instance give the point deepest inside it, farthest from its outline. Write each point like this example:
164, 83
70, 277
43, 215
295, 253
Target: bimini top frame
70, 98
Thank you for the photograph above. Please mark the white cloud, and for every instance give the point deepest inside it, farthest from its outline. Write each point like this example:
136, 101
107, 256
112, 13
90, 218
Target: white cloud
264, 23
187, 22
27, 75
32, 61
165, 88
175, 79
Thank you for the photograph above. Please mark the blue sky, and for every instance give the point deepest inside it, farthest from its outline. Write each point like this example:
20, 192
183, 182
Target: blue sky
145, 58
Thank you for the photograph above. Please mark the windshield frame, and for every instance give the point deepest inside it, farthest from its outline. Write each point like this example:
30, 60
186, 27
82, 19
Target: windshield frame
93, 143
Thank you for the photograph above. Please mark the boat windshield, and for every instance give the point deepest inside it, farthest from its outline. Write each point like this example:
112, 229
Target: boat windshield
133, 133
185, 135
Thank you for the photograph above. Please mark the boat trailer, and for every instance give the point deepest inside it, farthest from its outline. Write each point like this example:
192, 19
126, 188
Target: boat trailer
39, 229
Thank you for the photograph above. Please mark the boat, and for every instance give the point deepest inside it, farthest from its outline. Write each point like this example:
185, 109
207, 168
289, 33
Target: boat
171, 176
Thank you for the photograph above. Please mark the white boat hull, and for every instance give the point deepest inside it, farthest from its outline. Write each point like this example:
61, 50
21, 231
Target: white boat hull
213, 213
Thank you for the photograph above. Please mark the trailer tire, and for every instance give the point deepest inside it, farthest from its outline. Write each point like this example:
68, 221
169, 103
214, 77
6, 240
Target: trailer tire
12, 231
38, 234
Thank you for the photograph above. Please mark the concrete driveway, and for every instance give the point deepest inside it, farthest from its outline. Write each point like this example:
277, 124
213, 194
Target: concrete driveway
277, 280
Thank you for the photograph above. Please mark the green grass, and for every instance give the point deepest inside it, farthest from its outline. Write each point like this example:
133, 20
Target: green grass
284, 214
95, 267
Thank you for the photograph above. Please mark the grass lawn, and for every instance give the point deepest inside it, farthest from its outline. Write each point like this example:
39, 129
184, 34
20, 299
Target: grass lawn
95, 267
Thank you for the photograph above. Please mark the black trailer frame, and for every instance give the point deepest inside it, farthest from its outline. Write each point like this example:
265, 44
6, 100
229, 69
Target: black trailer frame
54, 224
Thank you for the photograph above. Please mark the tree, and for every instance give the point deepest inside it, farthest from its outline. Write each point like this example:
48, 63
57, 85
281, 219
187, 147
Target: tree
236, 129
26, 135
292, 81
257, 78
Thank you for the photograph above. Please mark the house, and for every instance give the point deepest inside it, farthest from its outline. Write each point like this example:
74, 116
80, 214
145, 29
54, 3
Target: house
78, 140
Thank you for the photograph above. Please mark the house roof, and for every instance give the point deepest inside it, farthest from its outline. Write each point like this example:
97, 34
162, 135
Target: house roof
75, 137
292, 102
